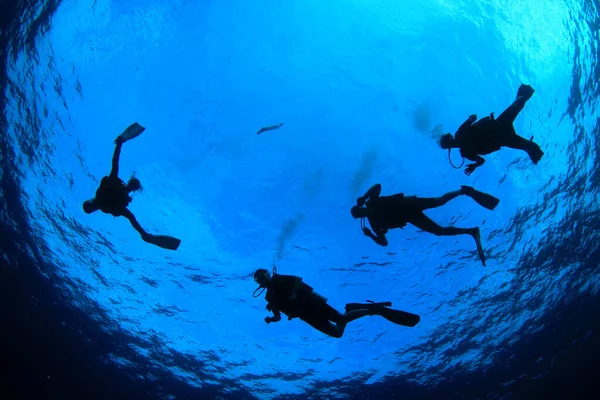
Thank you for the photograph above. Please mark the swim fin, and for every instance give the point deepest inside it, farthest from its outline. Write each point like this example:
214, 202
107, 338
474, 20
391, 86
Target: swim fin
399, 317
367, 306
477, 238
134, 130
534, 151
396, 316
525, 91
483, 199
164, 241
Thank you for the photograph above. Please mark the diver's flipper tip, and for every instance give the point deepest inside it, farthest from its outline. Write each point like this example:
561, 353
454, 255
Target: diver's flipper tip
525, 91
164, 241
483, 199
134, 130
400, 317
477, 237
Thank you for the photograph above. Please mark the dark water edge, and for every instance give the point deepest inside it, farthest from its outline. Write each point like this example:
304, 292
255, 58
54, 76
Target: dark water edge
41, 356
50, 350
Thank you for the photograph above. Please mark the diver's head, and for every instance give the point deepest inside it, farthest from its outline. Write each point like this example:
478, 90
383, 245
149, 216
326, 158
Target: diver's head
89, 206
262, 277
359, 212
134, 185
447, 141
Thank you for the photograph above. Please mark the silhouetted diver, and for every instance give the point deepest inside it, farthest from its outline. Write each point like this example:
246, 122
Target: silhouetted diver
395, 211
488, 135
112, 197
287, 294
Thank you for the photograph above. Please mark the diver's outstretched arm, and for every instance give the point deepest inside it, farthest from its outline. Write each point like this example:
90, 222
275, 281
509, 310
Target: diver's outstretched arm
380, 238
114, 173
471, 167
136, 225
276, 317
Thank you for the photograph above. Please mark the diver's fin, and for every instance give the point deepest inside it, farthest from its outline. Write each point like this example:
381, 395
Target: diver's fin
164, 241
534, 151
367, 306
483, 199
481, 254
525, 91
399, 317
477, 238
134, 130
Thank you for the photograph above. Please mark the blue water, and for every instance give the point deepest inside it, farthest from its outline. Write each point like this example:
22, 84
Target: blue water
362, 88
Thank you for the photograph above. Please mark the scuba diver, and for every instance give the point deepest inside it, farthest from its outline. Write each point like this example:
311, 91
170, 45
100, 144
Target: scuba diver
287, 294
489, 134
395, 211
112, 197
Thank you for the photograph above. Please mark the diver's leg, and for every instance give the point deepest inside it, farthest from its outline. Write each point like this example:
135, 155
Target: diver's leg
517, 142
355, 314
426, 224
350, 316
509, 115
136, 225
323, 325
341, 320
320, 319
114, 173
318, 314
424, 203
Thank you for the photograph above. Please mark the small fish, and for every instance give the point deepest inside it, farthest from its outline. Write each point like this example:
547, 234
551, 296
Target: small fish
269, 128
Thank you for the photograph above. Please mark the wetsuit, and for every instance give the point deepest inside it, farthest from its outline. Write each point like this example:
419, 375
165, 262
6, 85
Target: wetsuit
308, 305
482, 137
112, 196
396, 211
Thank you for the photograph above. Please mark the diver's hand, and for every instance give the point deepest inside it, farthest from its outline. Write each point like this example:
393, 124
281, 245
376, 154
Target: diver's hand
367, 231
472, 117
360, 201
268, 320
470, 168
147, 237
